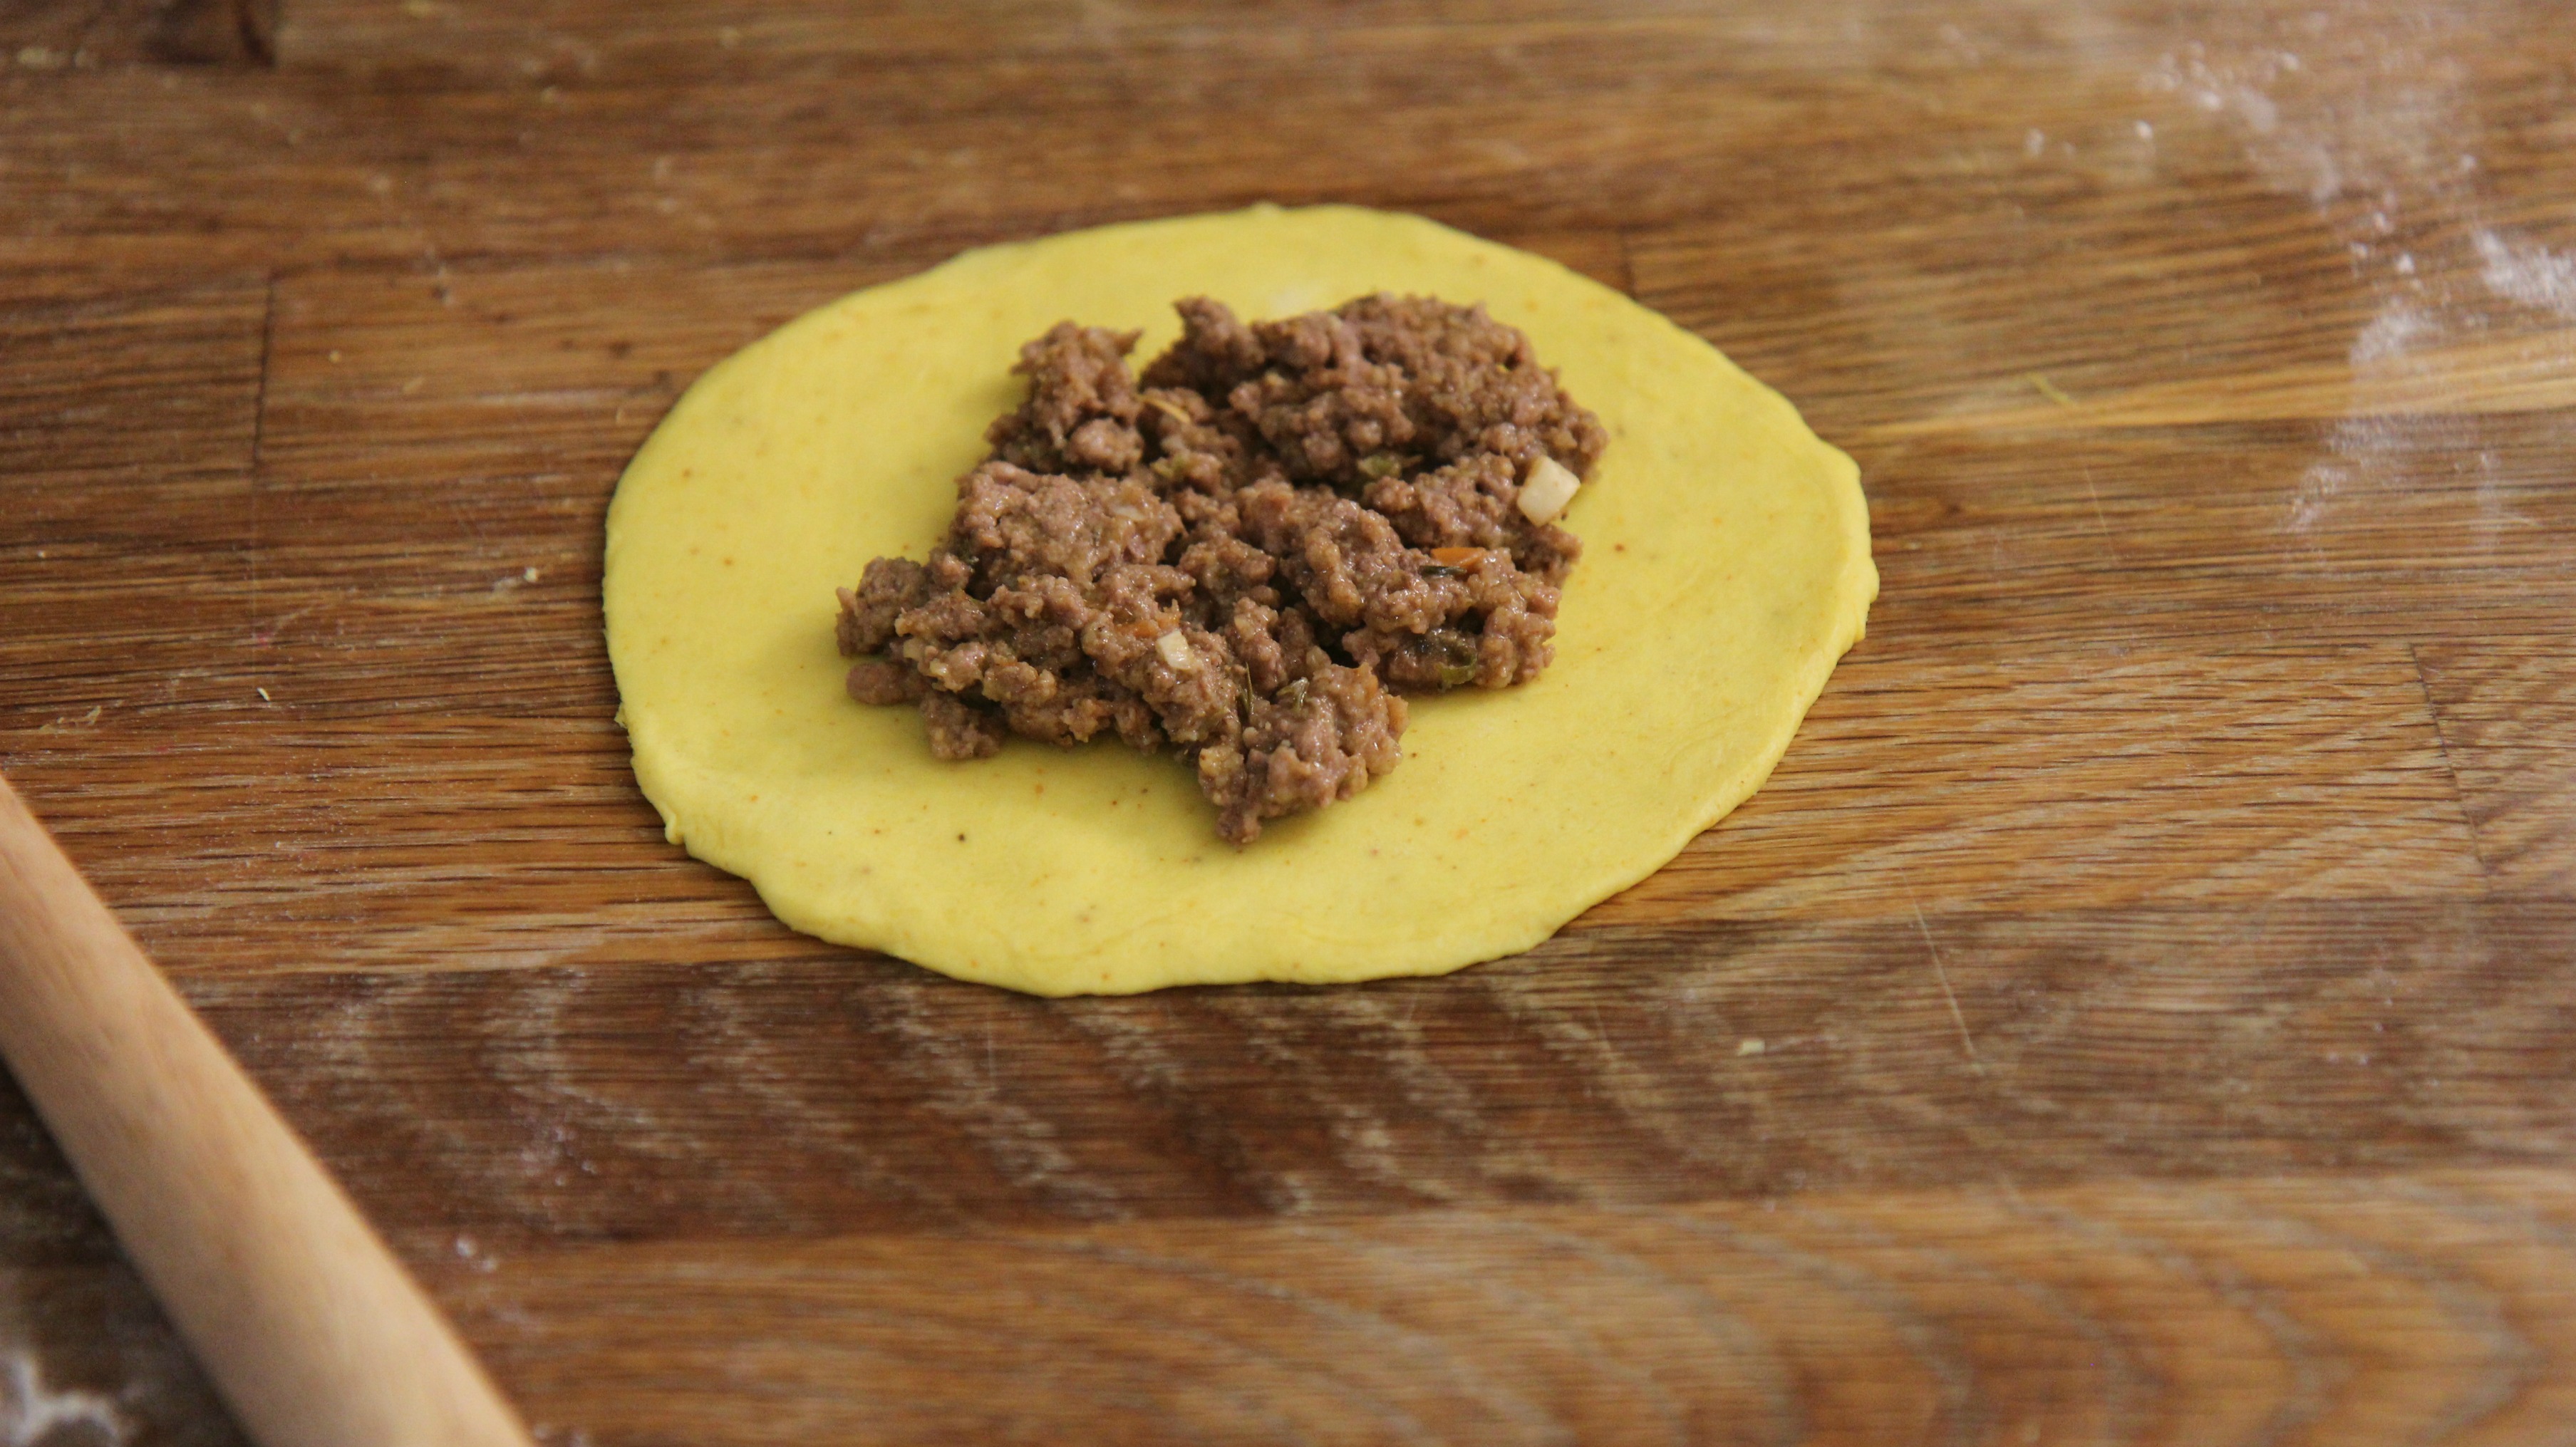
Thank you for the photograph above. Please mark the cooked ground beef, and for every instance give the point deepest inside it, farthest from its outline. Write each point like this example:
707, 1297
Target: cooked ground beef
1243, 553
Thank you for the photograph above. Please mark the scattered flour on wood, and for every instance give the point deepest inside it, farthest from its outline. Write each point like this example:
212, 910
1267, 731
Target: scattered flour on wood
2397, 328
2371, 129
35, 1415
2533, 275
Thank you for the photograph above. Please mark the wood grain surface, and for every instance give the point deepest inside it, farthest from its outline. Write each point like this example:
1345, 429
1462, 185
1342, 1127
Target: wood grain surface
2142, 1008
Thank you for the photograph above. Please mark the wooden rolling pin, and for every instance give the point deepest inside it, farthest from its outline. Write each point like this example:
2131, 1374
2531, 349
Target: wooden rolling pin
312, 1331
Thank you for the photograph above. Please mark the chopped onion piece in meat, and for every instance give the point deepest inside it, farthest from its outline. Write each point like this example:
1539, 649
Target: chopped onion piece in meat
1548, 488
1177, 652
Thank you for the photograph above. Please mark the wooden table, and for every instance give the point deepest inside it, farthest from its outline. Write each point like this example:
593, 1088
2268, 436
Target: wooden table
2139, 1009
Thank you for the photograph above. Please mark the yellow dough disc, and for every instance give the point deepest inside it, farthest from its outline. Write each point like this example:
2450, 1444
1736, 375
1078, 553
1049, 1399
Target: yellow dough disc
1726, 567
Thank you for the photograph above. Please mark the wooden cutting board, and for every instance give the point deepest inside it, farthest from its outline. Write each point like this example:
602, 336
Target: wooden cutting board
2140, 1008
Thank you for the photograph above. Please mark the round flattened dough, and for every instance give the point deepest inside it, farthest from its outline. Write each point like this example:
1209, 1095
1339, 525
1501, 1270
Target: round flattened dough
1726, 567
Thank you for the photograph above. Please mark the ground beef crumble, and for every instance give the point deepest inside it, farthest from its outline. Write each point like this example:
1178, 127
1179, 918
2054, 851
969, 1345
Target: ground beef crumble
1247, 553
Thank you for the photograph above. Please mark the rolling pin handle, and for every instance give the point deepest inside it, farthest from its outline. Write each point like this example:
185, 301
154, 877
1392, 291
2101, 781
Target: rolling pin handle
311, 1330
